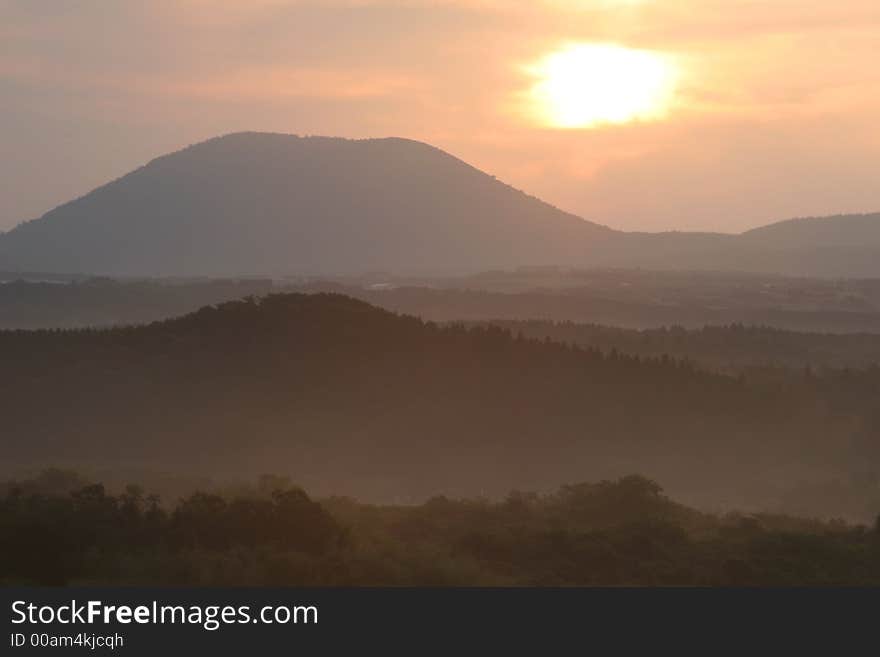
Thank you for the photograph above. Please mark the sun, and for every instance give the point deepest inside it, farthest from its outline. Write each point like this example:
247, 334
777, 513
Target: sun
587, 85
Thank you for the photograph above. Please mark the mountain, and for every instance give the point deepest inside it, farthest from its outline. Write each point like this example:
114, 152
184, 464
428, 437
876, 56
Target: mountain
254, 203
351, 399
841, 231
273, 204
844, 246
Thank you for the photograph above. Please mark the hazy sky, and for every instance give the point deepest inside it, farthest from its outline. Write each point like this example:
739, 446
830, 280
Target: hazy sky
772, 107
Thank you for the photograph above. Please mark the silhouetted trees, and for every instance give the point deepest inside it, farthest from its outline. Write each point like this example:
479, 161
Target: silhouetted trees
52, 538
731, 349
623, 532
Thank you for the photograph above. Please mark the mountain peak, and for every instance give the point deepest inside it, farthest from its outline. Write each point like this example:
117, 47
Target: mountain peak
270, 204
266, 203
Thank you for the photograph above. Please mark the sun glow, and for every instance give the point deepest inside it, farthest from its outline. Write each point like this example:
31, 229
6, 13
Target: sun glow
586, 85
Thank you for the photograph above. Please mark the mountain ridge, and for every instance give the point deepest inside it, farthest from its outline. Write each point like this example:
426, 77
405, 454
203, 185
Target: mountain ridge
274, 204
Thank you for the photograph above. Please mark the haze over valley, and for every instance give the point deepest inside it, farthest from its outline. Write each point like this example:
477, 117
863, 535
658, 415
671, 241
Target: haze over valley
448, 293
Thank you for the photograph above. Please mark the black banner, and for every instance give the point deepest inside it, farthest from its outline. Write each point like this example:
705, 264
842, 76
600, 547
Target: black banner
412, 621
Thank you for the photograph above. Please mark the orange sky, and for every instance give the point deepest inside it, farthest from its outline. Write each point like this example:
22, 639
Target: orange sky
774, 112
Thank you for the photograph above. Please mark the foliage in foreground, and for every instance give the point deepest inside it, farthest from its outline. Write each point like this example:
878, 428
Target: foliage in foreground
624, 532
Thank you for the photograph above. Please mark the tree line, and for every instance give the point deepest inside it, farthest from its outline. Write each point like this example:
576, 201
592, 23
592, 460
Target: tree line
621, 532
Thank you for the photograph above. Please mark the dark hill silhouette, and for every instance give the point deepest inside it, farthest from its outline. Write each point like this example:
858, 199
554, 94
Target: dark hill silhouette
351, 399
267, 204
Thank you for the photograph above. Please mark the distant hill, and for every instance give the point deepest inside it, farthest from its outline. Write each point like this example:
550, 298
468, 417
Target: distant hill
350, 399
272, 204
254, 203
842, 231
736, 339
845, 246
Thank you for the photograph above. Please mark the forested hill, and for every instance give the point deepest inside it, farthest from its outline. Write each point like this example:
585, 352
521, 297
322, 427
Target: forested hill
351, 399
732, 349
